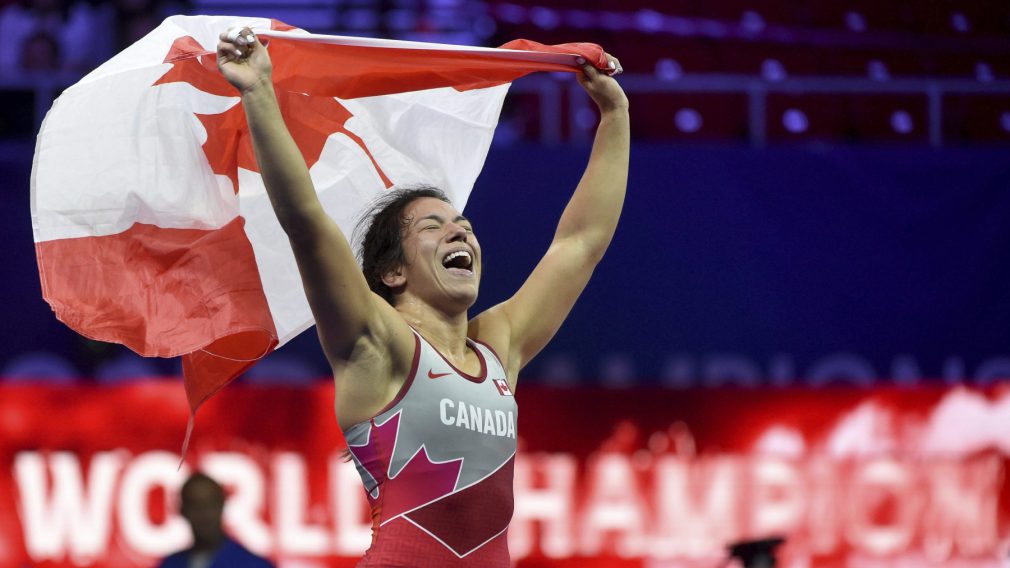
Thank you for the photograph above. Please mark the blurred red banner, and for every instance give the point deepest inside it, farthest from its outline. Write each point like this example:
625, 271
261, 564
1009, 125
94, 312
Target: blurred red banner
637, 478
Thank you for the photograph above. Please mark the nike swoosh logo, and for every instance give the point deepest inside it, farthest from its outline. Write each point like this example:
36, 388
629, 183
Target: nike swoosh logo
433, 375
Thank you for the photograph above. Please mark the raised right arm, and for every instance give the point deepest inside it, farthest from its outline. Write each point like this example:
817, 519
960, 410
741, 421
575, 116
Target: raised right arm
345, 310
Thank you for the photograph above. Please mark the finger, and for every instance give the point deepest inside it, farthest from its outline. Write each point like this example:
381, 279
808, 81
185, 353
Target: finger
239, 38
613, 65
246, 37
234, 33
228, 51
251, 39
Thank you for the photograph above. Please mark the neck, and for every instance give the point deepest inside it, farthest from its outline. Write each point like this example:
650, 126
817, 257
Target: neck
446, 331
208, 544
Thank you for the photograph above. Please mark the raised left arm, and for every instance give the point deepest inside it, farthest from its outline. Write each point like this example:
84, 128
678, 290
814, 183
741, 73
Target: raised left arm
530, 318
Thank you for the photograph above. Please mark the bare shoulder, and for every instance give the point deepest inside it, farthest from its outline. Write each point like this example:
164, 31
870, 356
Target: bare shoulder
492, 328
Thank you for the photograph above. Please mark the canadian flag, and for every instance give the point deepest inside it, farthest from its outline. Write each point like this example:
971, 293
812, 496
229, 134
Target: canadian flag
503, 387
151, 222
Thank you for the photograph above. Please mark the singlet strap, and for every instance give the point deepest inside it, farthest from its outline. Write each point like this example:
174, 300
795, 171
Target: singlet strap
490, 354
479, 378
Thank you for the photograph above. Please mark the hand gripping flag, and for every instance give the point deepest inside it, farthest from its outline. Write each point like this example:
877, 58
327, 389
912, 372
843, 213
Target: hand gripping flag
151, 222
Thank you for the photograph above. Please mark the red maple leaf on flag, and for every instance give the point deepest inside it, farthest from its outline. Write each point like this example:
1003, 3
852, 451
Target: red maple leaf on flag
311, 120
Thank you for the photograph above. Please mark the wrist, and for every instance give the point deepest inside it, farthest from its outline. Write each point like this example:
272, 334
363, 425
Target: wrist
262, 85
617, 110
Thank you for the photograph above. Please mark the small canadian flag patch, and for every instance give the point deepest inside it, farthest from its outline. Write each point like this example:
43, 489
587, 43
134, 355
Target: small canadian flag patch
503, 387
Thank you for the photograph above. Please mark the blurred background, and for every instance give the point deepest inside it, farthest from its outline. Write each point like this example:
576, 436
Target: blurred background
802, 327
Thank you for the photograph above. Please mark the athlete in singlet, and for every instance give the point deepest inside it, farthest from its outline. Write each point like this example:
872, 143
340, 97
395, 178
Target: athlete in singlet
424, 393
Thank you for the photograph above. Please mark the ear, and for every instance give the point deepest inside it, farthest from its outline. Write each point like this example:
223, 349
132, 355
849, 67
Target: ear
394, 278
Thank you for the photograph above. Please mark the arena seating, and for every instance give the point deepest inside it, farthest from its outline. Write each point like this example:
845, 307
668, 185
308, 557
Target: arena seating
939, 71
886, 58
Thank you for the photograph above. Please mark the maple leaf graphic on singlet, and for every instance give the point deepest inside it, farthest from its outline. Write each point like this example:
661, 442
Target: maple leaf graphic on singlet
311, 120
425, 492
439, 478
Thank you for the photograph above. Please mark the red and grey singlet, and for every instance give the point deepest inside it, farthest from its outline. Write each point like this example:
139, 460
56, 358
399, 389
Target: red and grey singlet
437, 465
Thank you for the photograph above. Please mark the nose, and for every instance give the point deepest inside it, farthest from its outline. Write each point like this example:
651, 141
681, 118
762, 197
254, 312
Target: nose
456, 233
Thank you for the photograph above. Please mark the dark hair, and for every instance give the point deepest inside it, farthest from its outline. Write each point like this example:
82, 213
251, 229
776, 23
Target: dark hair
200, 477
384, 224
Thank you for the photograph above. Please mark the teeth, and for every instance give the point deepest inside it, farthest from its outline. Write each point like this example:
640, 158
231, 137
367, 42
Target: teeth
456, 254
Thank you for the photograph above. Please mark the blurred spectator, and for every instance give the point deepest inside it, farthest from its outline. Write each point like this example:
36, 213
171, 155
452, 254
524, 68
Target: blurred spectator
202, 505
53, 35
136, 18
757, 553
40, 52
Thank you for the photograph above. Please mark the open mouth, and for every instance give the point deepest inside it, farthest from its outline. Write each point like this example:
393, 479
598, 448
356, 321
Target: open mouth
459, 262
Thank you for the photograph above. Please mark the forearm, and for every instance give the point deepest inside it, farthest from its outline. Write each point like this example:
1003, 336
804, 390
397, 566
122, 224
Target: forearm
337, 292
334, 286
591, 216
281, 164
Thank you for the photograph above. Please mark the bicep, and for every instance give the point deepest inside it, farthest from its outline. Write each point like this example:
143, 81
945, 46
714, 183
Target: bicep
338, 295
537, 310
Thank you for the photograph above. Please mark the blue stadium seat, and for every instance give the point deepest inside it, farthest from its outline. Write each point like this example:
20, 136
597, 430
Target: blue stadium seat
806, 118
41, 367
689, 116
976, 118
125, 367
282, 369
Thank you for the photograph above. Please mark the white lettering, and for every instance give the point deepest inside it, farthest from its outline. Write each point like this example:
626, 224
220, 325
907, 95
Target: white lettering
614, 505
550, 504
147, 471
477, 421
823, 516
696, 505
444, 406
500, 422
660, 503
352, 522
294, 535
778, 497
963, 508
877, 484
243, 513
69, 519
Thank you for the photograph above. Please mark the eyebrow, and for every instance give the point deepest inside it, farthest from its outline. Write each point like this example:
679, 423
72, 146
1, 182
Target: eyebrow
440, 219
